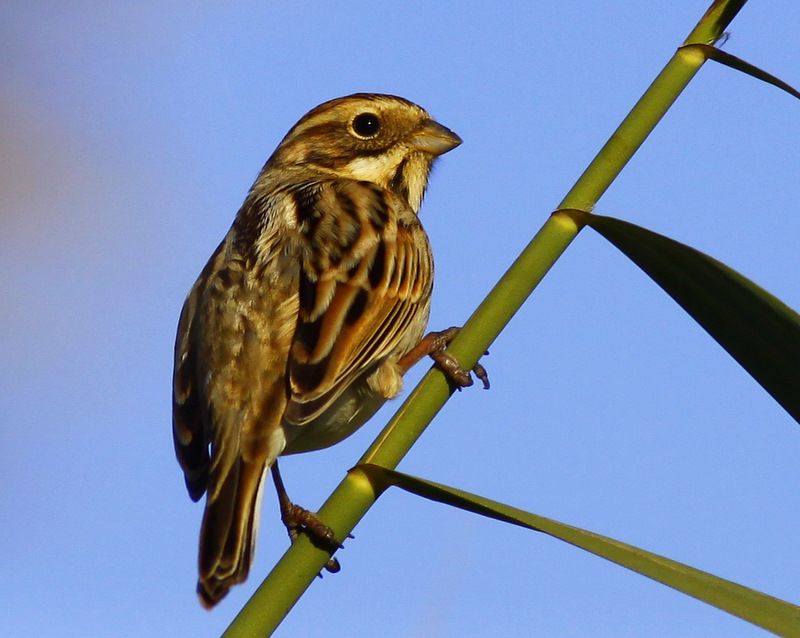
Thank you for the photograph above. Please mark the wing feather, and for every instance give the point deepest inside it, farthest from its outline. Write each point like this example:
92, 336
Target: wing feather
364, 292
189, 437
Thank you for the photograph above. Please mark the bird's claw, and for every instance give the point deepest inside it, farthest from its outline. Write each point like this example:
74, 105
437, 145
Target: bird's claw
449, 365
298, 519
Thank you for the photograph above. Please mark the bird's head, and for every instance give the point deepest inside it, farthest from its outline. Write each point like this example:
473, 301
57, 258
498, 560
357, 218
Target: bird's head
382, 139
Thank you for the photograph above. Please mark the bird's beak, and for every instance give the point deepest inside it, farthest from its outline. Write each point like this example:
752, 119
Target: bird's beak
434, 138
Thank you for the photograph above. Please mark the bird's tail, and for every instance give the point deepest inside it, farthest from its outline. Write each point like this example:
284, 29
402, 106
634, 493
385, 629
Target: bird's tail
228, 532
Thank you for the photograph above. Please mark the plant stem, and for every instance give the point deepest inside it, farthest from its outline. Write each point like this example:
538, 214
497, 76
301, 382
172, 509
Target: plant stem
292, 575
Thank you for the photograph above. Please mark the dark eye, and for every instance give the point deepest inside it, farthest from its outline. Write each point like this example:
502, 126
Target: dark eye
366, 125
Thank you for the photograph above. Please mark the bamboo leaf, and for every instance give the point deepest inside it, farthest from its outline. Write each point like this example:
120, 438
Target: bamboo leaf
773, 614
756, 328
718, 55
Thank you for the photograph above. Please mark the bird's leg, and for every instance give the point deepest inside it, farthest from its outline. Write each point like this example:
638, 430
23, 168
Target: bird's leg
433, 345
297, 519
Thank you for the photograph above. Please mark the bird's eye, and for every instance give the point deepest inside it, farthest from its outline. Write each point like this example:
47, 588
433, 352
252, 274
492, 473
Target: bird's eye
366, 125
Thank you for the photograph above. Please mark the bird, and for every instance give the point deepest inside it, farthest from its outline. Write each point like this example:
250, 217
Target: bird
306, 317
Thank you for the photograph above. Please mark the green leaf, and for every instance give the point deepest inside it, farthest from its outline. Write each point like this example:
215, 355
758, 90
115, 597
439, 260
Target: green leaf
713, 53
756, 328
771, 613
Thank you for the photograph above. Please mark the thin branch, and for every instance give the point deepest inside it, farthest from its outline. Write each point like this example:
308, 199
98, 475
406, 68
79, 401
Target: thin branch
299, 566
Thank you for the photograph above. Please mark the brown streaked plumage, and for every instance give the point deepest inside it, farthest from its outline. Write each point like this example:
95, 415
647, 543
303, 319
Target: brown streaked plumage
296, 329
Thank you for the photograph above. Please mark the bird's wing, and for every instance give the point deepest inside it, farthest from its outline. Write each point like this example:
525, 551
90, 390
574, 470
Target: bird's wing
229, 394
189, 437
365, 281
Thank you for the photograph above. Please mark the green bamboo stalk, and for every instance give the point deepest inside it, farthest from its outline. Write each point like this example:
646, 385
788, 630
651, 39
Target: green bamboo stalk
298, 567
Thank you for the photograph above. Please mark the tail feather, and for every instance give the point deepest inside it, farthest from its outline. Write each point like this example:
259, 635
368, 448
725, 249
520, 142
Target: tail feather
227, 535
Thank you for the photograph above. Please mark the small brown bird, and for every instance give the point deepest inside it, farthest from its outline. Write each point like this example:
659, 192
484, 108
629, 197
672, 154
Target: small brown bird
306, 317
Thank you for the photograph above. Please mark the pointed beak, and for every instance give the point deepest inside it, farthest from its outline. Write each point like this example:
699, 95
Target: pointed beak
433, 138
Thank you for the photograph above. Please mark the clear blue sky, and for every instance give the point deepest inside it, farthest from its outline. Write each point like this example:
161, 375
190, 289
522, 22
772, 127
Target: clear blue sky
129, 135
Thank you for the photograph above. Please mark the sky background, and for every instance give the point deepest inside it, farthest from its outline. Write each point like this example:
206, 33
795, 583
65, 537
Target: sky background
129, 135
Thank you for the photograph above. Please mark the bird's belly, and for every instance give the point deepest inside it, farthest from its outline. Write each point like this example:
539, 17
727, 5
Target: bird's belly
348, 413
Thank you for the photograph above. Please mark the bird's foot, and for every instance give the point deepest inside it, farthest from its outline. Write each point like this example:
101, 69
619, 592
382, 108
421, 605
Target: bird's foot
434, 345
299, 520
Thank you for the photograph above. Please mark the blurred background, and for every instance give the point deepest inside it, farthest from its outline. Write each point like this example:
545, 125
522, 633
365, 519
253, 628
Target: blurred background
129, 135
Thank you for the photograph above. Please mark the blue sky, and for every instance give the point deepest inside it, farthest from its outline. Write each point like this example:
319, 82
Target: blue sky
130, 134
